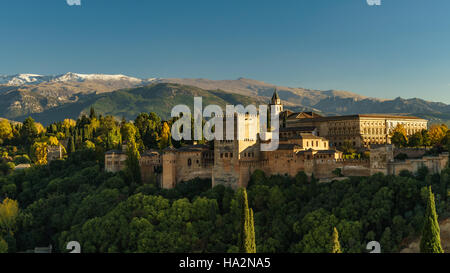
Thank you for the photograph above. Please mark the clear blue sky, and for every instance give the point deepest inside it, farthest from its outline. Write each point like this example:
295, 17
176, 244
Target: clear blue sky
401, 48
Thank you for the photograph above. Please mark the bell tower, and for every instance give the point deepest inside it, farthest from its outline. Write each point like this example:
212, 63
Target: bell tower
276, 101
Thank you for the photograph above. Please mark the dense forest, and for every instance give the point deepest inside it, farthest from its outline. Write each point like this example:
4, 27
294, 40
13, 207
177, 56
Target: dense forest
76, 200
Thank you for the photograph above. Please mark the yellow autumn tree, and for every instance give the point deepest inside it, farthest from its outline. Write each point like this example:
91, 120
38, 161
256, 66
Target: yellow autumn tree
128, 132
89, 145
400, 129
6, 131
60, 135
39, 127
39, 153
165, 139
437, 133
9, 209
53, 141
399, 136
95, 124
69, 123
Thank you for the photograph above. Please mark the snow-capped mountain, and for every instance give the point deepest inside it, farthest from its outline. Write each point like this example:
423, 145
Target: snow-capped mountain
21, 79
33, 79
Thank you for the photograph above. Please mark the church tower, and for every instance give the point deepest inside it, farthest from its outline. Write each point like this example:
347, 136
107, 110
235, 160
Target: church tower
276, 101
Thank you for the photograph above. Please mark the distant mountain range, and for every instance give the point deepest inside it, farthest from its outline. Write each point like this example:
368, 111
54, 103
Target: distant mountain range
128, 103
51, 98
33, 79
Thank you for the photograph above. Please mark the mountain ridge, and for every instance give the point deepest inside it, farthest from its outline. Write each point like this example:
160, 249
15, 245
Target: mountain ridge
128, 103
40, 94
33, 79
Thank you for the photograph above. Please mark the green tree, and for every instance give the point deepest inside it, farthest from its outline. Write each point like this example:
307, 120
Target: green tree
71, 145
338, 172
92, 114
431, 239
132, 162
252, 231
28, 131
247, 230
399, 136
128, 132
149, 128
3, 246
9, 210
386, 241
416, 140
426, 141
335, 245
399, 139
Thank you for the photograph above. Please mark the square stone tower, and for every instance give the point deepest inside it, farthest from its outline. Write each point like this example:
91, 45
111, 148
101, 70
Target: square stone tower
228, 154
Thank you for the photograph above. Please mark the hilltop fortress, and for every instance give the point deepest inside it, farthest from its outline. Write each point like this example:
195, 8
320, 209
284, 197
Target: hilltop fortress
307, 142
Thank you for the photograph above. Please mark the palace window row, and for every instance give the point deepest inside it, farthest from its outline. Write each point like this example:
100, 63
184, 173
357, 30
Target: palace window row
226, 155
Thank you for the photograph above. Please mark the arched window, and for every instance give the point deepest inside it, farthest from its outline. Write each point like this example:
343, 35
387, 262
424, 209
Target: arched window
189, 162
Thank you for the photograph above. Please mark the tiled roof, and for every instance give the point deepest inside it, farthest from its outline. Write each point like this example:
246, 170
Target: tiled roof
320, 118
275, 96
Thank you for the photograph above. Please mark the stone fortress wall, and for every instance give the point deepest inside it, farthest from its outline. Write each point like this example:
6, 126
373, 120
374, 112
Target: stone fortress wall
307, 143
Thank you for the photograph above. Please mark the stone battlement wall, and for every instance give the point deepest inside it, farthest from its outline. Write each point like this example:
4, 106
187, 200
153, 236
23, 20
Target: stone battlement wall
410, 152
435, 164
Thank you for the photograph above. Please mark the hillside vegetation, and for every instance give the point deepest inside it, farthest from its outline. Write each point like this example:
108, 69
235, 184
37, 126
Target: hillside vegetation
128, 103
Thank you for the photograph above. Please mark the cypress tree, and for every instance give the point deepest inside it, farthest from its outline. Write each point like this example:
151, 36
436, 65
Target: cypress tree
71, 145
92, 114
252, 232
335, 245
431, 239
132, 162
76, 135
247, 228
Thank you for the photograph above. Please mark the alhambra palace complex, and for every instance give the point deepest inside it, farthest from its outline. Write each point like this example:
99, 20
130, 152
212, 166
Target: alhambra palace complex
308, 142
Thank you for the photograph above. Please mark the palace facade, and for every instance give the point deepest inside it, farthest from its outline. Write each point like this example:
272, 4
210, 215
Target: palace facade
359, 130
